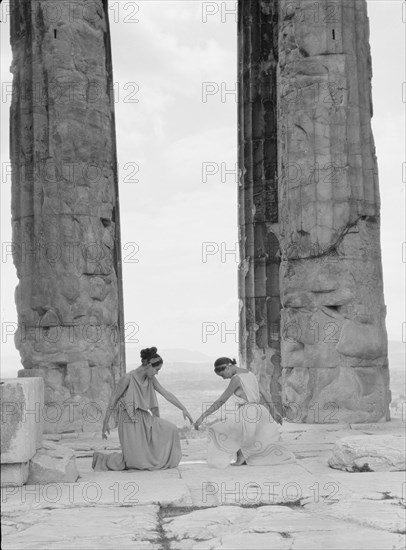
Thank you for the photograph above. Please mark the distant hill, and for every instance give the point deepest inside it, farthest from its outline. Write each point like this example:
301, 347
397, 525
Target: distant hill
185, 359
396, 352
173, 355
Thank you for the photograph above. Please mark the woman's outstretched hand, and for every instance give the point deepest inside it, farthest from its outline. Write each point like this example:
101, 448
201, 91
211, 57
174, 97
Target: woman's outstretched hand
197, 423
105, 432
187, 416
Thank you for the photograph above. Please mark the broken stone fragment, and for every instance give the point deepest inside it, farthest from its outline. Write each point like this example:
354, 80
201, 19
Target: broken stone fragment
53, 464
369, 453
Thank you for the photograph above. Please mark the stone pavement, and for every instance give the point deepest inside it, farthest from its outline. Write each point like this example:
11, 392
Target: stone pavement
299, 506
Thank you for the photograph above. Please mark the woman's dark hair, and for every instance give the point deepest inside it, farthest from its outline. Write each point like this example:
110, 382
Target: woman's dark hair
151, 355
222, 362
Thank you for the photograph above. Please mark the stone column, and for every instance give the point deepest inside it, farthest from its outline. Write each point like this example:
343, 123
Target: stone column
334, 342
309, 201
258, 193
65, 208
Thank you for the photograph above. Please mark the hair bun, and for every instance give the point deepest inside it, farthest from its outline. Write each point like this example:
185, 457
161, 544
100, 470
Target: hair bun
233, 362
149, 353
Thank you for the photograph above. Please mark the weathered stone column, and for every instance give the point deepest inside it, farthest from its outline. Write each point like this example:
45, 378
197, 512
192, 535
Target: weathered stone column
258, 193
334, 339
65, 209
309, 197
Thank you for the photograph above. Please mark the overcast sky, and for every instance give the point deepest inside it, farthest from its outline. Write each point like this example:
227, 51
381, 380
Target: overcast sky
166, 131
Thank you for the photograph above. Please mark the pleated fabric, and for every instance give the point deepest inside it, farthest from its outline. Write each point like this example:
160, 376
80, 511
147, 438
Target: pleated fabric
147, 442
250, 428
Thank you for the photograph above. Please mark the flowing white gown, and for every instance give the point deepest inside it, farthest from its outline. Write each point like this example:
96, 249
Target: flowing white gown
250, 428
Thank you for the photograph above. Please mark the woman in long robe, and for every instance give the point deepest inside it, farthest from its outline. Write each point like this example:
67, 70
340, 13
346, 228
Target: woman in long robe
251, 431
147, 441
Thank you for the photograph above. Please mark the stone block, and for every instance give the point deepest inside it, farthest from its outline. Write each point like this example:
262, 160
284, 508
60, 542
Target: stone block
52, 437
76, 397
53, 464
362, 340
22, 402
340, 395
369, 453
14, 474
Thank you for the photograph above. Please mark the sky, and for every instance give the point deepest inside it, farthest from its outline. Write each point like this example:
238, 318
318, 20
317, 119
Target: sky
174, 66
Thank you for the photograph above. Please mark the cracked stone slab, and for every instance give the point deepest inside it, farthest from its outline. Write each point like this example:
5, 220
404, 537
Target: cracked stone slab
215, 522
122, 542
242, 541
383, 514
349, 539
86, 528
366, 484
266, 527
246, 485
128, 488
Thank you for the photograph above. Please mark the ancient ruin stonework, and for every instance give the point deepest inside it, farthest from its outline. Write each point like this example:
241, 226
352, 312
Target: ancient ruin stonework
305, 77
312, 313
258, 193
65, 210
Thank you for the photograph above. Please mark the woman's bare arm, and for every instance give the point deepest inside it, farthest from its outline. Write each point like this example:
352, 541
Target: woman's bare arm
225, 396
120, 389
171, 398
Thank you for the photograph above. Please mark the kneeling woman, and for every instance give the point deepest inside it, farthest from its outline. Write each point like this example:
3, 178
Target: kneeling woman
147, 441
251, 430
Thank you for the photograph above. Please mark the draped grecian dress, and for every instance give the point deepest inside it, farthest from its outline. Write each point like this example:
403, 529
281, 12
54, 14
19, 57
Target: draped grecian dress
250, 428
147, 442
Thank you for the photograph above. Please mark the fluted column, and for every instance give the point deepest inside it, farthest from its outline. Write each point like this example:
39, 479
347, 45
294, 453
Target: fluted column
258, 193
65, 208
309, 200
334, 342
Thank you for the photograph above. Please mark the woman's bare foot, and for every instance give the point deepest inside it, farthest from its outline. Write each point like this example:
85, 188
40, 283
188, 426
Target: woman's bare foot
240, 459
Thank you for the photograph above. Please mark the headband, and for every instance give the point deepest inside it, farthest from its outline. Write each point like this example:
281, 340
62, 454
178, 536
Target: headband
223, 366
